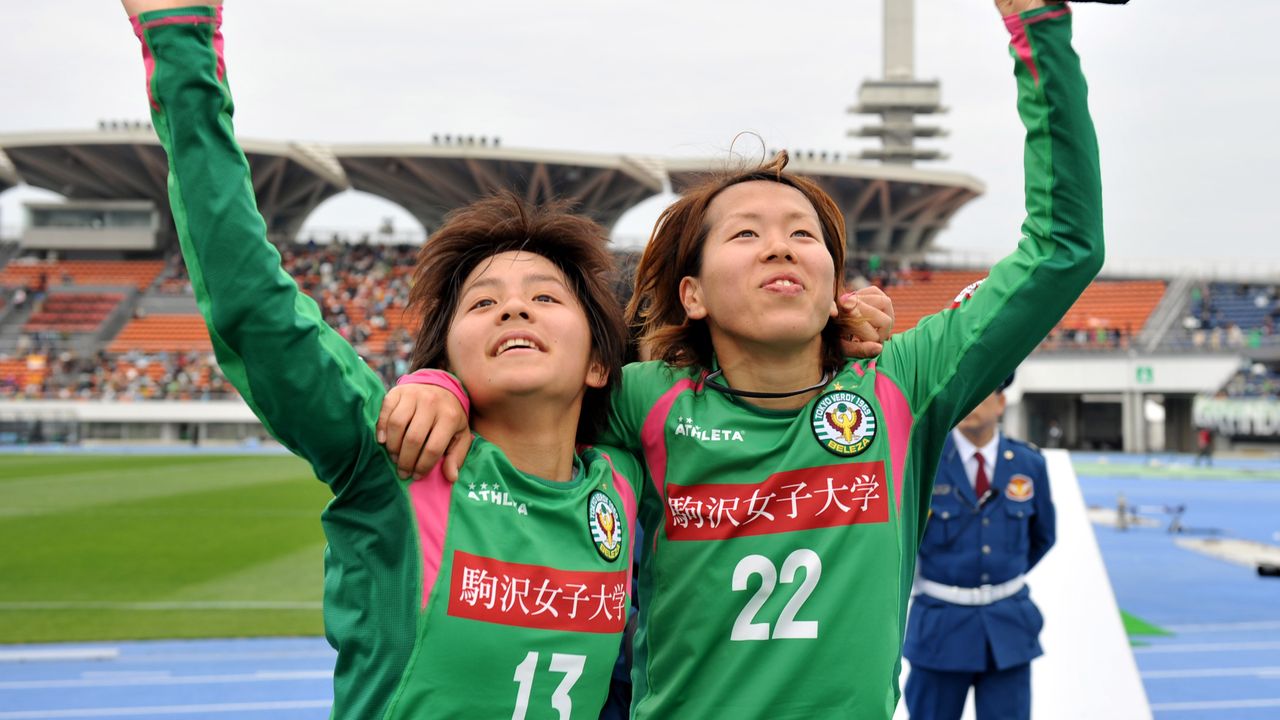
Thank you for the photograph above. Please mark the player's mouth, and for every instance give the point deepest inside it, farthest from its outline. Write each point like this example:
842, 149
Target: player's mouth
518, 343
783, 284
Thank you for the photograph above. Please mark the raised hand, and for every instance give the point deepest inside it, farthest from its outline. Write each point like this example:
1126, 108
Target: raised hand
866, 318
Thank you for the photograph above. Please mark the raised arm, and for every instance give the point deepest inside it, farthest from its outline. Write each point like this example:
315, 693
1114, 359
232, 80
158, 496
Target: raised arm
951, 360
301, 378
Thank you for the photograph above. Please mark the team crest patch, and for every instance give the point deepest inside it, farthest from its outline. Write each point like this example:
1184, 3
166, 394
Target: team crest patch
1020, 489
844, 423
605, 525
967, 293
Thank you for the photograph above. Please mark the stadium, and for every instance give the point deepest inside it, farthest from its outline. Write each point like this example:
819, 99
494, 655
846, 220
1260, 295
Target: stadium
168, 556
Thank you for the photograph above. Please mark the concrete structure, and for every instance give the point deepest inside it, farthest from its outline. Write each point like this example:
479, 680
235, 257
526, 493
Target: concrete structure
889, 210
8, 174
1142, 401
126, 162
899, 96
431, 180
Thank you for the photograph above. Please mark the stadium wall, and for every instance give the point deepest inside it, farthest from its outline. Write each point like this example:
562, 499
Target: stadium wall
224, 421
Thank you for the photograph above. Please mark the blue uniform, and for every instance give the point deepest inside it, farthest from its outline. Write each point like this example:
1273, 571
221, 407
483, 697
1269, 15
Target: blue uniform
989, 642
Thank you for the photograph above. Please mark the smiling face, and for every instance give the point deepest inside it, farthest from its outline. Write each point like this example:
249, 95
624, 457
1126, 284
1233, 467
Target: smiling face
767, 278
519, 331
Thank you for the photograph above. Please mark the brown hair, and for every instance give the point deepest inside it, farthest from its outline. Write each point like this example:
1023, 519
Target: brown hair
503, 223
675, 252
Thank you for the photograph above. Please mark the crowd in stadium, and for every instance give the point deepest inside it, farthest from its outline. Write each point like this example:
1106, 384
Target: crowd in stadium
363, 289
1232, 315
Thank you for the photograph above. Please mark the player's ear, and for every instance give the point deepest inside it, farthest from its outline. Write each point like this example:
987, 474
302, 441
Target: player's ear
597, 374
691, 296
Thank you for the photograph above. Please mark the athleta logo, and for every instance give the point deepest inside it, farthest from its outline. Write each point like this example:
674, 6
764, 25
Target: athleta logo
534, 596
821, 497
844, 423
685, 426
494, 494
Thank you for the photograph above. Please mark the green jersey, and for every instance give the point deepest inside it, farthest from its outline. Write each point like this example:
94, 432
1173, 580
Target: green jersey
780, 546
500, 596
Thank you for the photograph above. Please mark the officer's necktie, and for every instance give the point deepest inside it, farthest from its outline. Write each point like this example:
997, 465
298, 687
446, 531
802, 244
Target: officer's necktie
981, 484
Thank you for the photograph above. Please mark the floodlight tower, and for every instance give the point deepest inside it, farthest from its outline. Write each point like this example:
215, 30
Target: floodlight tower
899, 97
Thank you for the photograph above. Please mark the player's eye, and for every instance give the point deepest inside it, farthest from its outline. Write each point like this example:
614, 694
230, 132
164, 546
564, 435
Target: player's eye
544, 297
482, 303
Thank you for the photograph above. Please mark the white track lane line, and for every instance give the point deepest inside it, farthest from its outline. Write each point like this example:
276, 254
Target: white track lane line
1262, 672
59, 654
149, 680
1206, 647
1210, 705
164, 710
1225, 627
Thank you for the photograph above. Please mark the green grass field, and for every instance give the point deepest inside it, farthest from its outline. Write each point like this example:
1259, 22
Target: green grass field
133, 547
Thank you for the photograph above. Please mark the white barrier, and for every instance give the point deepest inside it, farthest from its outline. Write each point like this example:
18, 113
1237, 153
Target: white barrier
1088, 669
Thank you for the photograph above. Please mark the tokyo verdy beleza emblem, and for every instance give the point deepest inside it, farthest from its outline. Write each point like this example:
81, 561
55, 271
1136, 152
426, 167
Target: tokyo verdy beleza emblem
844, 423
605, 525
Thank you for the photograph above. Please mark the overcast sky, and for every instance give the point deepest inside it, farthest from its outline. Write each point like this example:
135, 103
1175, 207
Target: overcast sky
1185, 93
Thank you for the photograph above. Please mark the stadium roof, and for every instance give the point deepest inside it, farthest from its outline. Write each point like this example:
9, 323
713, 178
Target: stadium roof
290, 179
431, 180
8, 174
888, 209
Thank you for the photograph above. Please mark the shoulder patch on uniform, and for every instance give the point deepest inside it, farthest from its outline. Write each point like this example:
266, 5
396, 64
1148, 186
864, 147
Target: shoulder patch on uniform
1020, 488
942, 489
605, 525
967, 293
843, 423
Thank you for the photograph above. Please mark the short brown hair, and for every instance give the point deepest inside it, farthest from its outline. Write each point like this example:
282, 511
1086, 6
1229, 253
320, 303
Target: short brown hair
675, 251
504, 223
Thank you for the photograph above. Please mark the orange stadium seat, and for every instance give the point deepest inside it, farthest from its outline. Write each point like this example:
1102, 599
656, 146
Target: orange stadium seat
73, 312
137, 273
1118, 304
1115, 304
163, 333
914, 300
25, 371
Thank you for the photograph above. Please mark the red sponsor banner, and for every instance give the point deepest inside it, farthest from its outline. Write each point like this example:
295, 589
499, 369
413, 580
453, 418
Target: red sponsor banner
533, 596
819, 497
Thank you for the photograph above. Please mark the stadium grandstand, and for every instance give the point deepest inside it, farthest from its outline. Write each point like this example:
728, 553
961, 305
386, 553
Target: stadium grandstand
95, 304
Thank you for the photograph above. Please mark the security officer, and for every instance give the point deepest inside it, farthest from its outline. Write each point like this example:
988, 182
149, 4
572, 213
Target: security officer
972, 622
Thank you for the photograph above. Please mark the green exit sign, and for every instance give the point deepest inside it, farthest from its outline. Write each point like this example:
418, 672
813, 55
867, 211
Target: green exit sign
1145, 375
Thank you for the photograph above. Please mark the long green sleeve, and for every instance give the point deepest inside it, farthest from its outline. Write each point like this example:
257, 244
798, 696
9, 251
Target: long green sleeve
302, 379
